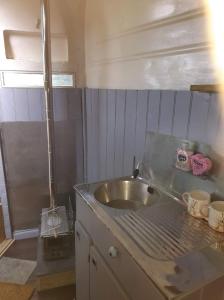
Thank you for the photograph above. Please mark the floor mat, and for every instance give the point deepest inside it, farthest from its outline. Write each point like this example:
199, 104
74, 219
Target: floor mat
14, 270
9, 291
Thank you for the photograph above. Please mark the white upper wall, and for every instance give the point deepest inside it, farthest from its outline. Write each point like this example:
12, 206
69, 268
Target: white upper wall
136, 44
156, 44
20, 44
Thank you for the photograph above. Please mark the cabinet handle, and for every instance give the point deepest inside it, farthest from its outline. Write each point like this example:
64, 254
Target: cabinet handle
78, 235
113, 252
94, 262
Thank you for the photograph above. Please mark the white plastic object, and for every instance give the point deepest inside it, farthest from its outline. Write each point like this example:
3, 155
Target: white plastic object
113, 252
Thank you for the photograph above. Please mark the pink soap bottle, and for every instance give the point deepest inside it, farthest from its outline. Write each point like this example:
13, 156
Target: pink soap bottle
184, 153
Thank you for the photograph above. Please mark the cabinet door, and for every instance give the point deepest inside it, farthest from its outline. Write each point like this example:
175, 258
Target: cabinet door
82, 257
103, 284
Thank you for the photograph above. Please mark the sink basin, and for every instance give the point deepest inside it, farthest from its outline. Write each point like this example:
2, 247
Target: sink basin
125, 194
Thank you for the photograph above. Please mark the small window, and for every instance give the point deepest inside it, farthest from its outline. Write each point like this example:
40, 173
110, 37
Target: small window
13, 79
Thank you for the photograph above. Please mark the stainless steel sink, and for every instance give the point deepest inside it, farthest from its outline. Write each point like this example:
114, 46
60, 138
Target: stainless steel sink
125, 194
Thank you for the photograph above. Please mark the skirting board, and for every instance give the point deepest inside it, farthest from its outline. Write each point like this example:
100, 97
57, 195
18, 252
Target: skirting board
26, 234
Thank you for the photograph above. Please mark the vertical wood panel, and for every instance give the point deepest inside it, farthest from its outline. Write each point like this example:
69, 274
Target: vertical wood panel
130, 130
166, 112
111, 105
8, 105
199, 117
141, 124
21, 105
35, 103
74, 97
213, 120
218, 139
1, 112
89, 134
60, 104
102, 134
76, 122
95, 135
77, 147
153, 110
181, 114
119, 132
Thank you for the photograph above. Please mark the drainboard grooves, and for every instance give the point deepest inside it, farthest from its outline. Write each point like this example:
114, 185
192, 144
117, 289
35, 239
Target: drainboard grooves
150, 235
174, 246
189, 230
178, 232
149, 244
145, 242
168, 244
147, 233
172, 234
167, 236
185, 232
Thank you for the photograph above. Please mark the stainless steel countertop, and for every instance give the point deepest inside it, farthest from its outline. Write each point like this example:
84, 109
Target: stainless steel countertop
178, 252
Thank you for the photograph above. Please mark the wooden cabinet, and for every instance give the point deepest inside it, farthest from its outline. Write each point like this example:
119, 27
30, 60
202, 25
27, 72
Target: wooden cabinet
104, 268
103, 284
82, 257
109, 272
94, 280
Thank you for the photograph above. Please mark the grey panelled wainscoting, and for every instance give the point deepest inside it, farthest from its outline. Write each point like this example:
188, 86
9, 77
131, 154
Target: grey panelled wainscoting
115, 125
117, 122
4, 199
25, 149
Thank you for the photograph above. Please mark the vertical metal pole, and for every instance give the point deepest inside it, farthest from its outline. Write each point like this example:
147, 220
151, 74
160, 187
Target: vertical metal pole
47, 74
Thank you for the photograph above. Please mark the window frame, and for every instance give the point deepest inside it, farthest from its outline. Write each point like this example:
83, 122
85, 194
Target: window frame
4, 85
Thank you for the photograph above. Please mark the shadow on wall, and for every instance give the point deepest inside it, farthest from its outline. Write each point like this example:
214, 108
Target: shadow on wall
25, 149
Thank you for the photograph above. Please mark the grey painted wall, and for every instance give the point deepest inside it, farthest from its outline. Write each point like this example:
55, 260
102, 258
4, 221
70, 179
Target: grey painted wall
117, 122
25, 149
